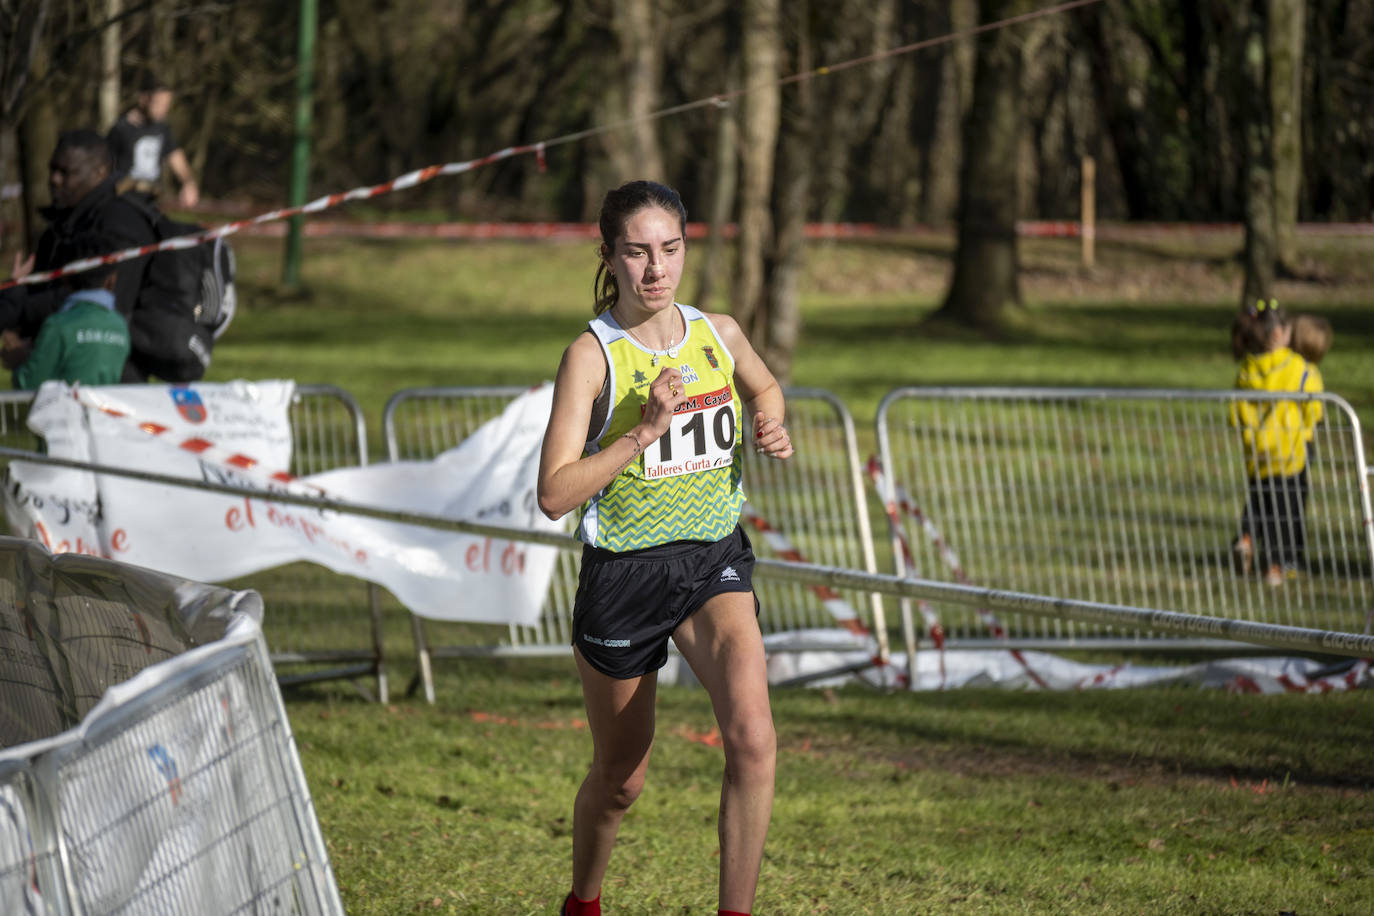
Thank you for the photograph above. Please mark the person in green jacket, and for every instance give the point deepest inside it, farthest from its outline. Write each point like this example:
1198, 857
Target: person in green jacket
86, 340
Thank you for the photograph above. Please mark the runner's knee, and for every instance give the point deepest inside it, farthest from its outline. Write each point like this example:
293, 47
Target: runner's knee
621, 785
751, 746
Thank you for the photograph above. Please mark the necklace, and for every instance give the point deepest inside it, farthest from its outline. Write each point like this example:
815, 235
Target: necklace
671, 352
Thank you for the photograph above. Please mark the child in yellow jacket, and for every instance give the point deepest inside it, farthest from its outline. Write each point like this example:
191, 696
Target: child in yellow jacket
1276, 436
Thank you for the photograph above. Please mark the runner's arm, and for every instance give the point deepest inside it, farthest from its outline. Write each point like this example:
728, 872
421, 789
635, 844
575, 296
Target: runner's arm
566, 478
759, 390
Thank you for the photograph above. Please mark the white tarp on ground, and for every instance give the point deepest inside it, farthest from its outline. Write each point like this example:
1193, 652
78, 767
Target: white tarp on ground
954, 668
239, 433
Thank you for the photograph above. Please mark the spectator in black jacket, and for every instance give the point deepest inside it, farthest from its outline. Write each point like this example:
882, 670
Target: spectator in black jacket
84, 202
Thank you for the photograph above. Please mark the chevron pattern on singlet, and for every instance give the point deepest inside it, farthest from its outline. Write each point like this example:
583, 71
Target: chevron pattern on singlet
689, 507
634, 512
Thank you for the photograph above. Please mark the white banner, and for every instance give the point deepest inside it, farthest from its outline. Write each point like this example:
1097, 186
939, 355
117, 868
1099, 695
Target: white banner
239, 433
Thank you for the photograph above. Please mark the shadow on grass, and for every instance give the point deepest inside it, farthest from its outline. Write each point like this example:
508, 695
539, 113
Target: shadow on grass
1080, 331
1094, 328
1249, 728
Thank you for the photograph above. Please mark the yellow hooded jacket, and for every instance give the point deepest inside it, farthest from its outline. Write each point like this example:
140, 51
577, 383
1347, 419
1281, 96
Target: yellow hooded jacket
1276, 433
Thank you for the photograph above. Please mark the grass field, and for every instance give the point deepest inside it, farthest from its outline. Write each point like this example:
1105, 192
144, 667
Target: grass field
378, 316
975, 801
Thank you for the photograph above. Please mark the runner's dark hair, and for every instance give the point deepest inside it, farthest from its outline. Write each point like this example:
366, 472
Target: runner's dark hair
616, 209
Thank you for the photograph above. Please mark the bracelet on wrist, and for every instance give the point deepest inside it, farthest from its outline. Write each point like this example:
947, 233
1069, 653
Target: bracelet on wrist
635, 439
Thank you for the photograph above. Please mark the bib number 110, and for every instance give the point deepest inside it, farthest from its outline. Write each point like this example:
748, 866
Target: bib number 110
696, 441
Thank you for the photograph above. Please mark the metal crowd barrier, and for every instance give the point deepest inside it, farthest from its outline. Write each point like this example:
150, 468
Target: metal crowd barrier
166, 779
837, 579
322, 626
1129, 497
1118, 501
811, 507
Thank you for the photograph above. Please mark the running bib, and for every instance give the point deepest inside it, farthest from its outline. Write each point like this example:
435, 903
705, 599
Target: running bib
701, 437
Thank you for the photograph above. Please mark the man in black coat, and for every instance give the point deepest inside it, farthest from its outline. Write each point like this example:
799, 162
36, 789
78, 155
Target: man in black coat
84, 202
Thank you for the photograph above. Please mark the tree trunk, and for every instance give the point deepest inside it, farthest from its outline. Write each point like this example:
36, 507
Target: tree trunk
1213, 182
724, 180
22, 34
35, 137
985, 286
954, 94
759, 140
1285, 40
1259, 158
110, 39
843, 153
1119, 108
791, 194
898, 155
641, 74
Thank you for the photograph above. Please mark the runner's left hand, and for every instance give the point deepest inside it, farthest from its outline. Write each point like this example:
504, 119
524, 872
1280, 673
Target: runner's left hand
770, 437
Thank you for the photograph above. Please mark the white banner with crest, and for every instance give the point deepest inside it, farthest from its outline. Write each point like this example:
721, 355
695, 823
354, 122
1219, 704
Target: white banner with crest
239, 433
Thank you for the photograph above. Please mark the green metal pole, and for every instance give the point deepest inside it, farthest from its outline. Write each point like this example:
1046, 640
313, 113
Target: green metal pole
300, 155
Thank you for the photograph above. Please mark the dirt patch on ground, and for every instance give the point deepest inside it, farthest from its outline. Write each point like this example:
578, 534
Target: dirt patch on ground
1116, 771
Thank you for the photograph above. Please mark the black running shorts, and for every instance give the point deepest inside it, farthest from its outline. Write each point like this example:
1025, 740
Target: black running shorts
628, 604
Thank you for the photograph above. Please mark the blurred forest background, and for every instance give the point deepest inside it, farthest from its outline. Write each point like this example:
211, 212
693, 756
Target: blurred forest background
1258, 111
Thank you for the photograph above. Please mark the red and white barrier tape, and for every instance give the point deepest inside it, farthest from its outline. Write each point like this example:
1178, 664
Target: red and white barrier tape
420, 176
408, 180
896, 498
840, 609
1331, 683
934, 627
1347, 681
831, 600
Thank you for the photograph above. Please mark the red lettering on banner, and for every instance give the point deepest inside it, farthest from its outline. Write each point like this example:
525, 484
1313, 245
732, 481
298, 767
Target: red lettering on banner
512, 560
119, 541
235, 520
238, 519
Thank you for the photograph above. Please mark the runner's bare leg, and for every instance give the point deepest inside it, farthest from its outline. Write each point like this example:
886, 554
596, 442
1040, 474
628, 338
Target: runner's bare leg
620, 714
723, 645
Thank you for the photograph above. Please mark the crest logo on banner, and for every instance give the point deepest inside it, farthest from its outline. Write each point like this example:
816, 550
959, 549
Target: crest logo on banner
189, 405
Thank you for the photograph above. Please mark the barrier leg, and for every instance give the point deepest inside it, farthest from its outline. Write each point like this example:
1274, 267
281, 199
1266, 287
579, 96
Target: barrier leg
424, 673
378, 654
